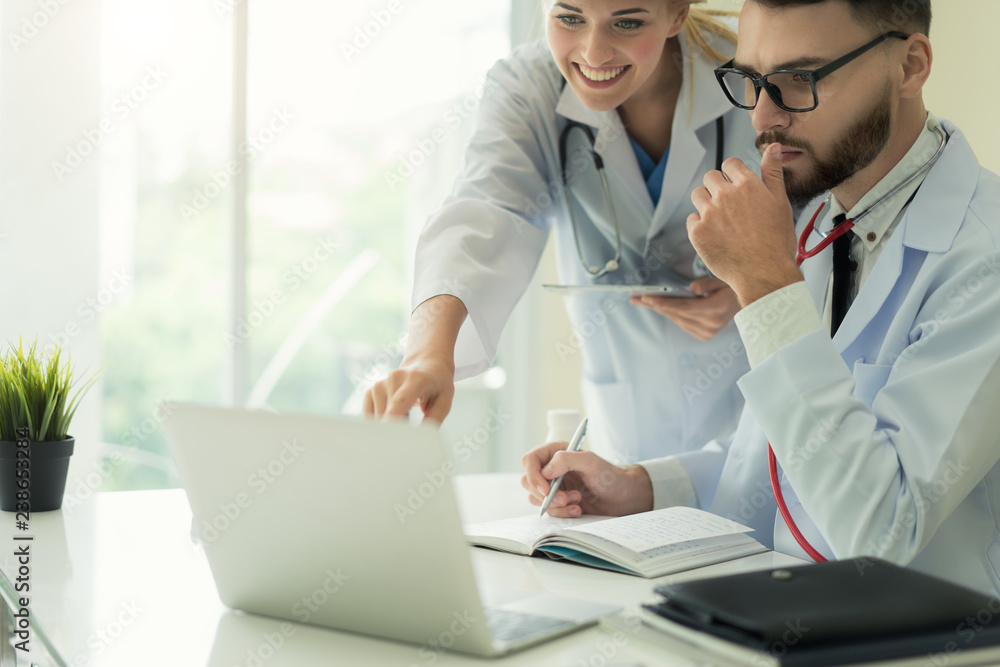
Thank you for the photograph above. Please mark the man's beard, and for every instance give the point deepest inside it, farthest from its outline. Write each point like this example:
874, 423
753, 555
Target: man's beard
856, 149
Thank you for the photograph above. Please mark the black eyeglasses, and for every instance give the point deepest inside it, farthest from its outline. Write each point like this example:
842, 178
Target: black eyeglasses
792, 89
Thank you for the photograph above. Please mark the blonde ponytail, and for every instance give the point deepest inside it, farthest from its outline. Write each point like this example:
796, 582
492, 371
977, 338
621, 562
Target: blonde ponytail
702, 28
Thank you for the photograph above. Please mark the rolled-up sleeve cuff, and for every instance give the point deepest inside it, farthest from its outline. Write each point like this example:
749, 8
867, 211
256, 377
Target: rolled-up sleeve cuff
671, 483
781, 317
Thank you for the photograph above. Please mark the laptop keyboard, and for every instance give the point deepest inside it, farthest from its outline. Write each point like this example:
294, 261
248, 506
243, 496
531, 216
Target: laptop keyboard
511, 627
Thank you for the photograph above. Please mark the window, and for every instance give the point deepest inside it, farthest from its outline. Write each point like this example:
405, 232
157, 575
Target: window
165, 80
342, 162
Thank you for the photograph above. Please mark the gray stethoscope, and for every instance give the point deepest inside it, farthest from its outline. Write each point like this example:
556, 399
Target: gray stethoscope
843, 228
611, 265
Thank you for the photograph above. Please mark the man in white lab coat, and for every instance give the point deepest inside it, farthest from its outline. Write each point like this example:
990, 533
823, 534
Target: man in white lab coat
886, 433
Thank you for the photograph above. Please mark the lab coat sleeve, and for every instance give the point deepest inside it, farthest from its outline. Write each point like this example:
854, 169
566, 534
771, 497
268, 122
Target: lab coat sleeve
880, 480
773, 321
483, 245
688, 479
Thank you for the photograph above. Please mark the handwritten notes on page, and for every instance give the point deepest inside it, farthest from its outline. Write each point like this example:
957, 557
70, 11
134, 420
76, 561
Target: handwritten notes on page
650, 530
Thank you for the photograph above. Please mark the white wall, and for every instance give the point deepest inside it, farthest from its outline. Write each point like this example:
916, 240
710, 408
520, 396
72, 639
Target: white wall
964, 87
49, 242
965, 83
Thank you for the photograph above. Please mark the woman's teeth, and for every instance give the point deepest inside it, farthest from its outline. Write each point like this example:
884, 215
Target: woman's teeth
600, 75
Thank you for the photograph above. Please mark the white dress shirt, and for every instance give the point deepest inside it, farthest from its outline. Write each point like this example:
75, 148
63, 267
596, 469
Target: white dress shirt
764, 331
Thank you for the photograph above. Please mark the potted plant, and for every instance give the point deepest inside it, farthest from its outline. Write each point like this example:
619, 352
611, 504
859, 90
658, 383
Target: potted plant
35, 413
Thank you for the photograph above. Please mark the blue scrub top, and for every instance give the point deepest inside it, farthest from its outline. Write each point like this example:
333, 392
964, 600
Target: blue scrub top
652, 172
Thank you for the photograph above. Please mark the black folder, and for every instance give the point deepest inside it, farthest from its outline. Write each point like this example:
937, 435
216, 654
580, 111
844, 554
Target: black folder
838, 613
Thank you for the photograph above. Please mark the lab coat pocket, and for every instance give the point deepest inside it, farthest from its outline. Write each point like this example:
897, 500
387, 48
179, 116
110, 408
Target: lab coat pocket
612, 429
869, 380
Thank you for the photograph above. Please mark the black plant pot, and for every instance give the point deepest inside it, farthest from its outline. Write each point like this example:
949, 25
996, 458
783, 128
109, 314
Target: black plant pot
48, 466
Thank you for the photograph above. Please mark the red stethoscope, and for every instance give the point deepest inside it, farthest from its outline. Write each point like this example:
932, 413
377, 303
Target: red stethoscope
800, 257
772, 461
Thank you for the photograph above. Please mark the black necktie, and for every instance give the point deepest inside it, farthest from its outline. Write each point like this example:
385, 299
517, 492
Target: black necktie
841, 276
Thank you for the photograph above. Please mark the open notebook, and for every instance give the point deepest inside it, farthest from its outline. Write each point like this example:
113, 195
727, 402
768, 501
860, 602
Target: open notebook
650, 544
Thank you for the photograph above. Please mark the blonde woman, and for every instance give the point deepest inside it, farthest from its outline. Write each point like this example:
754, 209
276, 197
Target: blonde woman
633, 81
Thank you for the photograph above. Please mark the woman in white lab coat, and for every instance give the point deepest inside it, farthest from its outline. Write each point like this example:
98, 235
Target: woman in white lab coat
659, 373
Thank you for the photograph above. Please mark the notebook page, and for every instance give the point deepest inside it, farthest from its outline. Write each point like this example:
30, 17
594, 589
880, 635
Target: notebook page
525, 530
650, 530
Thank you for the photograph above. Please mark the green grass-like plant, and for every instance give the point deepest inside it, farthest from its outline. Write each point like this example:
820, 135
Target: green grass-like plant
34, 393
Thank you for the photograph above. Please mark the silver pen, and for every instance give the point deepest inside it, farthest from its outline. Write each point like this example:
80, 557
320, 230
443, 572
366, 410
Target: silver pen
574, 445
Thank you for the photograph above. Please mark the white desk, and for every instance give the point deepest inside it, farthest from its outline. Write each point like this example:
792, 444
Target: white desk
117, 581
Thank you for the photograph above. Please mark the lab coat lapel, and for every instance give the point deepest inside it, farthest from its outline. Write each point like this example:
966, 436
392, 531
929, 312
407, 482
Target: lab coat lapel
635, 206
619, 158
685, 168
873, 294
632, 202
686, 156
930, 224
817, 269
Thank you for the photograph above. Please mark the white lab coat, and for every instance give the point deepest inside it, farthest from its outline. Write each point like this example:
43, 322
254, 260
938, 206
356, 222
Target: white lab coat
888, 436
649, 388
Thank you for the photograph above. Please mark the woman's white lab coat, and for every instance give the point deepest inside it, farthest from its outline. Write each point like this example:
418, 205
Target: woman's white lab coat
649, 388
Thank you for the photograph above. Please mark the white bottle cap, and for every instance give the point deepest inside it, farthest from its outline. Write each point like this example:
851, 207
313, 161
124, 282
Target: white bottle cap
562, 425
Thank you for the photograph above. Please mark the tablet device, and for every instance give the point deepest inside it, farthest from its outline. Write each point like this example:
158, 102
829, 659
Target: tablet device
676, 290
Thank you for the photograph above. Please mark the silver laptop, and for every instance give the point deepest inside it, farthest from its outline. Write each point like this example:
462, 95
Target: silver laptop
349, 524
